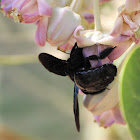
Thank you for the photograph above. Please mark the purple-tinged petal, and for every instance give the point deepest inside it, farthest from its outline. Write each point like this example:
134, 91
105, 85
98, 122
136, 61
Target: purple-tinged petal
31, 18
17, 3
6, 2
89, 17
44, 8
24, 3
40, 36
7, 9
117, 115
105, 119
29, 7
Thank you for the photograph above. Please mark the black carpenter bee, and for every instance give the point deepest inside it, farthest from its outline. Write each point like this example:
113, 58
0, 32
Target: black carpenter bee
78, 68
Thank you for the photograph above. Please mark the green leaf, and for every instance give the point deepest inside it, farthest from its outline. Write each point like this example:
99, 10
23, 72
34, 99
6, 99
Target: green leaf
130, 92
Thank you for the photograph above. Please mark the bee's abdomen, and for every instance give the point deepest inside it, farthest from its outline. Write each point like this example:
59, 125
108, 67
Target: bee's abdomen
95, 80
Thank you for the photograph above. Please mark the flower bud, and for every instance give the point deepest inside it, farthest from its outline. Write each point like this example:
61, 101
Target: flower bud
109, 117
105, 119
61, 26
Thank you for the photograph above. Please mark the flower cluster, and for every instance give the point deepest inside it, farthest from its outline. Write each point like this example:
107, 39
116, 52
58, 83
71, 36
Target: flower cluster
60, 23
29, 11
50, 21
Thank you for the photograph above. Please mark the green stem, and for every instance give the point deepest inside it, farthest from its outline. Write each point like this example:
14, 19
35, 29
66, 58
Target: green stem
96, 10
76, 5
73, 4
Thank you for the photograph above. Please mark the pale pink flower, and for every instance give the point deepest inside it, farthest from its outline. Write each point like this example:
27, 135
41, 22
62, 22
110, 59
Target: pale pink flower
109, 117
105, 119
128, 22
6, 6
29, 11
103, 106
26, 11
61, 26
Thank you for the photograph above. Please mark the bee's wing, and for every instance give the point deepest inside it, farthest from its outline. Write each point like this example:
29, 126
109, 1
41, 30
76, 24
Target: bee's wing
53, 64
76, 108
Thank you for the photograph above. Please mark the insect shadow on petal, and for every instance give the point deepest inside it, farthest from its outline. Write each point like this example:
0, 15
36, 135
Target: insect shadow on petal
78, 68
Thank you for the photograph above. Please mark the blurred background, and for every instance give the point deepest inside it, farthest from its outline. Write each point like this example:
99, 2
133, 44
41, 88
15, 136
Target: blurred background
36, 104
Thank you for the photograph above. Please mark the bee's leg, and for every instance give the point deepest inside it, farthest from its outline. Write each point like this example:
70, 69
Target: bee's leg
103, 54
93, 57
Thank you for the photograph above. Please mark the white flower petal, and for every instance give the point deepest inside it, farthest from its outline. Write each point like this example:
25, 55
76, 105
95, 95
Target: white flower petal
61, 26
